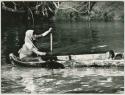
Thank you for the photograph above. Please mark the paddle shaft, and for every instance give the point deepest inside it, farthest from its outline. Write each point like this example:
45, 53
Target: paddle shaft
51, 43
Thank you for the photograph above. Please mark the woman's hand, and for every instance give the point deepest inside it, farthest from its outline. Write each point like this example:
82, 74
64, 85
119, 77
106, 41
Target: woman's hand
38, 52
47, 32
50, 28
42, 53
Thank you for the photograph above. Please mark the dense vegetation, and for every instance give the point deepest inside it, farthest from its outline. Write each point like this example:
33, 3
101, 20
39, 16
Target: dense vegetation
106, 11
36, 11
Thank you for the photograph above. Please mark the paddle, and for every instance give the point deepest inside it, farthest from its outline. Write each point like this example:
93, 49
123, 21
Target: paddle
52, 63
49, 56
51, 43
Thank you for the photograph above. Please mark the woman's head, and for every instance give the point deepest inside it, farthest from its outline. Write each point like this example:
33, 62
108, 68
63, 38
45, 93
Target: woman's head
29, 33
29, 37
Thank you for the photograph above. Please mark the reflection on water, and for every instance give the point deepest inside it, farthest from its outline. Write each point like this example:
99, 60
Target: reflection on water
78, 38
70, 80
69, 38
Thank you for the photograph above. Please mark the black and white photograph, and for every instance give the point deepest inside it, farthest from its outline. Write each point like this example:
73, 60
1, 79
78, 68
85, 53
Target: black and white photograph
62, 47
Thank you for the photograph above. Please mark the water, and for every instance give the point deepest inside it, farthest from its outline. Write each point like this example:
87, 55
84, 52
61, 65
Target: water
69, 38
70, 80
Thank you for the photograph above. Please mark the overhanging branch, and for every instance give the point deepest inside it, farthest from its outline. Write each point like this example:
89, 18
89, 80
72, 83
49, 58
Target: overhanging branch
4, 7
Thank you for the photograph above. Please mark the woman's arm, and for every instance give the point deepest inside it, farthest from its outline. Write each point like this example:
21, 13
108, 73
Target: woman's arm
44, 34
38, 52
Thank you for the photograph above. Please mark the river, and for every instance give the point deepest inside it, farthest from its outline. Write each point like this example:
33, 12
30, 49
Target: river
69, 38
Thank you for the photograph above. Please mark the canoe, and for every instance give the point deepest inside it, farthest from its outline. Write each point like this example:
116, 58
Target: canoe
91, 60
44, 64
82, 60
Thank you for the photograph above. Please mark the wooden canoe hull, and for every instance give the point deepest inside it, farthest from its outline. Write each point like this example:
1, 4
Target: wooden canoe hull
93, 63
52, 65
84, 60
90, 60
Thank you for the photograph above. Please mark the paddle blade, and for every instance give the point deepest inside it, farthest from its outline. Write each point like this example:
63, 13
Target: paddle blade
54, 65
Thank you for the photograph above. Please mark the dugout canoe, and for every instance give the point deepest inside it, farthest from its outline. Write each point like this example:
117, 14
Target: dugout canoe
92, 60
44, 64
82, 60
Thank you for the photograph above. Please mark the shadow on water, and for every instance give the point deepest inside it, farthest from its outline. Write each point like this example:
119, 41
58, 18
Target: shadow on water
12, 39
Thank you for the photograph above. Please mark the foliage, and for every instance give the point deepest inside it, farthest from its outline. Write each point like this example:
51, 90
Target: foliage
106, 11
37, 7
67, 10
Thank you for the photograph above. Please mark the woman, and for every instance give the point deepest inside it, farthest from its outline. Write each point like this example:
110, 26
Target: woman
28, 48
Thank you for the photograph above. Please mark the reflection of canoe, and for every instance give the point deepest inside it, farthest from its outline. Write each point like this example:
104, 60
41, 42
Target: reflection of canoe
45, 64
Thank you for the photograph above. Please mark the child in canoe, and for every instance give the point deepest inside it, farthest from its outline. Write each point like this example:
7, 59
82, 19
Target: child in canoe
28, 48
